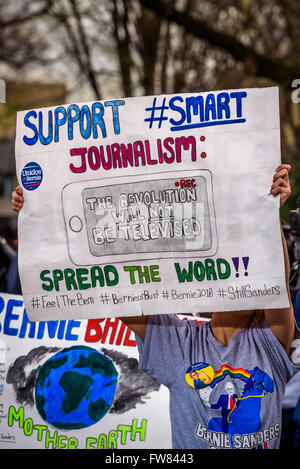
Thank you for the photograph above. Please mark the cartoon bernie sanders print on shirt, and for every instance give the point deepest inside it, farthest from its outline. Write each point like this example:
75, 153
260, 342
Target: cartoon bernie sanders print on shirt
236, 393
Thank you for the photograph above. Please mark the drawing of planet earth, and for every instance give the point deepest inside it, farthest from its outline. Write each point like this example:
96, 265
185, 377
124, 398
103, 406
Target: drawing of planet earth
75, 388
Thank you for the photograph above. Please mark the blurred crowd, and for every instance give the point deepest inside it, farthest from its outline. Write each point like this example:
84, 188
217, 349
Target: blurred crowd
291, 404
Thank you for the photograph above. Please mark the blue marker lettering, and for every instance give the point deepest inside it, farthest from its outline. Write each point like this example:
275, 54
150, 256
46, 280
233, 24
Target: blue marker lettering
177, 109
2, 304
34, 139
61, 329
115, 109
223, 105
210, 107
46, 140
11, 304
59, 122
71, 325
98, 119
24, 325
238, 95
85, 115
196, 103
72, 118
88, 119
51, 326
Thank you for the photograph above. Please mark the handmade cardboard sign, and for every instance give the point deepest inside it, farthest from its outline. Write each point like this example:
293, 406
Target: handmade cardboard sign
76, 384
151, 205
70, 385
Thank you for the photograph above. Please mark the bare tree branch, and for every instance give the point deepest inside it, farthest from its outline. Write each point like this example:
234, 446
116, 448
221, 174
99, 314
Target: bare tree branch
123, 44
265, 65
87, 54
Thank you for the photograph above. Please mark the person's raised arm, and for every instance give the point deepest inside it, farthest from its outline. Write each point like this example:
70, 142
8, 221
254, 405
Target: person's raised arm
281, 321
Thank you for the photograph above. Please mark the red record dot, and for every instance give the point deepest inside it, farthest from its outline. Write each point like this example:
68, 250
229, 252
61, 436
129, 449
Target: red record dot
203, 154
202, 138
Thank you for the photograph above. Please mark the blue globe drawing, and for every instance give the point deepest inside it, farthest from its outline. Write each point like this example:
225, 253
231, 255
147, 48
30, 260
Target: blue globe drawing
75, 388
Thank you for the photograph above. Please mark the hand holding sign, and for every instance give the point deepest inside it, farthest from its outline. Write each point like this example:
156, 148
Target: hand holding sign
281, 183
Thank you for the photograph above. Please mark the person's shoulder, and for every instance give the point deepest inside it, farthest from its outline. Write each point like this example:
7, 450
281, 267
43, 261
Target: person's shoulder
165, 319
266, 336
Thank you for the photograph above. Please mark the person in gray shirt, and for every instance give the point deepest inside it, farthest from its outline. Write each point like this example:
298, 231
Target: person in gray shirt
242, 354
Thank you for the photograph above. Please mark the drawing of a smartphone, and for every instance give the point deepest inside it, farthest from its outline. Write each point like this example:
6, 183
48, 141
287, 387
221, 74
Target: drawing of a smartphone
120, 219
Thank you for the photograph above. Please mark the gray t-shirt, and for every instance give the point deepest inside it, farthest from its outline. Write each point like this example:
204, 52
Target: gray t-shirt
240, 405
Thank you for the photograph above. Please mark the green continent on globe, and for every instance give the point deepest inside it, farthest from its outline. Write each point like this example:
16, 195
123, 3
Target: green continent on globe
97, 364
75, 385
98, 409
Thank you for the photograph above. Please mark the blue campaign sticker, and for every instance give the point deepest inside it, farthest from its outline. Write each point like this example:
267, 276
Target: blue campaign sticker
31, 176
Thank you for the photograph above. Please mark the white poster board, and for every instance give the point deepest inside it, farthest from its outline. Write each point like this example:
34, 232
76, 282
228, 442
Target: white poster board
151, 205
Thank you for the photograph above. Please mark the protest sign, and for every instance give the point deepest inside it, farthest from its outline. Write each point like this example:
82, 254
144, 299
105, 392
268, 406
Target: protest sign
151, 205
55, 416
40, 410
